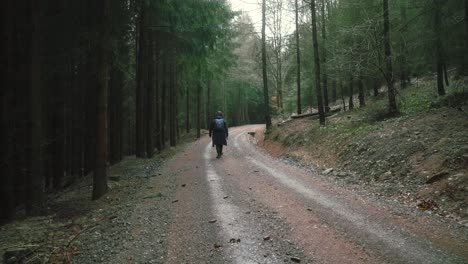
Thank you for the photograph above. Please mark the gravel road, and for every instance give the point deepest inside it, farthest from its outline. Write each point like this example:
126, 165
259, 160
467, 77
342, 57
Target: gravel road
248, 207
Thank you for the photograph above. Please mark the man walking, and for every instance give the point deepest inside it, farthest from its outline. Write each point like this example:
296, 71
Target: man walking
219, 131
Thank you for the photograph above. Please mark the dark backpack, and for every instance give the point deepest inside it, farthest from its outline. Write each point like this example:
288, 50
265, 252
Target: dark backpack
218, 125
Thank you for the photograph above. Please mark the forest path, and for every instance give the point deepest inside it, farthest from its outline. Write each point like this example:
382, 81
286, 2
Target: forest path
249, 207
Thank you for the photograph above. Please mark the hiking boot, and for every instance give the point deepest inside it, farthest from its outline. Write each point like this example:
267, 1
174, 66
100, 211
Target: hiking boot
219, 156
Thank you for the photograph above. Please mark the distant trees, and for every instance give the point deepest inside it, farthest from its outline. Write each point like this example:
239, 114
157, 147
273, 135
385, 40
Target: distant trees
376, 42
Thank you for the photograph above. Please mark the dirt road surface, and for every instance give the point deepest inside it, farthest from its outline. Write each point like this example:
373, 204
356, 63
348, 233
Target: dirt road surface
249, 207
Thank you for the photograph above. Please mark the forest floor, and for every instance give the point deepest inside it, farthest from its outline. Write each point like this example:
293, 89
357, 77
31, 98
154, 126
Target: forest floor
419, 158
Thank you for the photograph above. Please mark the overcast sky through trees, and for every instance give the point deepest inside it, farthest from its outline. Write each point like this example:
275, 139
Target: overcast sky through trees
254, 10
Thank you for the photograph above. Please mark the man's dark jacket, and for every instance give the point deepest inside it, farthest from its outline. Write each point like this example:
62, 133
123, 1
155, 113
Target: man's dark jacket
219, 137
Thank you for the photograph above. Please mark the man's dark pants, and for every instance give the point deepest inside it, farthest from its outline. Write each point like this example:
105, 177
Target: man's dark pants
219, 149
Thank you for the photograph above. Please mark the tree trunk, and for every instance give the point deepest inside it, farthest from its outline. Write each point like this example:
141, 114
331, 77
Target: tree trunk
298, 61
392, 105
164, 103
199, 91
351, 92
446, 77
35, 189
266, 98
318, 89
149, 97
465, 61
141, 83
404, 70
187, 98
115, 114
342, 95
362, 100
324, 60
100, 171
172, 99
157, 74
208, 103
279, 82
439, 52
376, 87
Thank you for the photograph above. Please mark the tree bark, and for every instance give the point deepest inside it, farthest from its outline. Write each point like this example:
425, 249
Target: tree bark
208, 103
100, 171
324, 60
199, 91
439, 52
446, 77
318, 89
351, 92
164, 101
266, 97
404, 69
157, 95
141, 92
35, 188
362, 99
465, 61
342, 95
392, 105
150, 90
298, 61
376, 87
172, 99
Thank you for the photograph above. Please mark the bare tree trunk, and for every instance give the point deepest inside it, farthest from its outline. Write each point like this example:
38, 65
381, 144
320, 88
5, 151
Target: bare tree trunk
35, 192
404, 70
100, 171
187, 121
446, 77
298, 61
392, 105
208, 102
351, 92
318, 89
439, 52
224, 98
266, 98
164, 89
376, 87
172, 100
362, 99
149, 105
342, 95
465, 59
324, 60
279, 81
141, 82
158, 85
199, 91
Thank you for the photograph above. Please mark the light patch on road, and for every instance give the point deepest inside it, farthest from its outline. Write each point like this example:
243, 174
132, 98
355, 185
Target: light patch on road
230, 219
390, 239
408, 249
